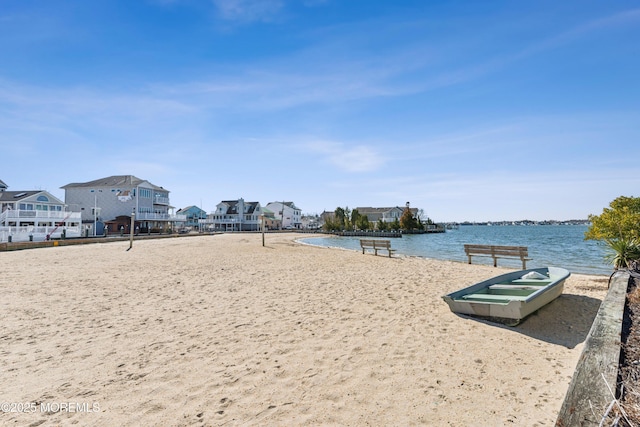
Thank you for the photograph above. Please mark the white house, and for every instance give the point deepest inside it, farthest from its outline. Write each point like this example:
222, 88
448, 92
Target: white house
235, 215
35, 215
385, 214
288, 212
111, 201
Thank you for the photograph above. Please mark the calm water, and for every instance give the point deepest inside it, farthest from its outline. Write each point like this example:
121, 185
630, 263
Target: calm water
549, 245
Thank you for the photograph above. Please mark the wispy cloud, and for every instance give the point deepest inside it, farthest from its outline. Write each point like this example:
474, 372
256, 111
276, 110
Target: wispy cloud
247, 11
353, 159
62, 106
582, 30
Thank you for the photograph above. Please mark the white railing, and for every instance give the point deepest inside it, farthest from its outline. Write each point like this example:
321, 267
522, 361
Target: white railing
232, 221
159, 200
146, 216
31, 214
37, 234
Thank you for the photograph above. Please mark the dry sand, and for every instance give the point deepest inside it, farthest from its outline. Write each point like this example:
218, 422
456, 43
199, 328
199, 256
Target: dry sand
218, 330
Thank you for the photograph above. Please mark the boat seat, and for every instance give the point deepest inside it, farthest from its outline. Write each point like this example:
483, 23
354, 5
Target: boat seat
517, 287
494, 298
541, 282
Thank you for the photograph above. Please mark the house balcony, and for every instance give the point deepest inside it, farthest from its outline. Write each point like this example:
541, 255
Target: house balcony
146, 216
159, 200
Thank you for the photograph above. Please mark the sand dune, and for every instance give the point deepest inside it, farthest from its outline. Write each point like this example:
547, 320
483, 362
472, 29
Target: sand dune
218, 330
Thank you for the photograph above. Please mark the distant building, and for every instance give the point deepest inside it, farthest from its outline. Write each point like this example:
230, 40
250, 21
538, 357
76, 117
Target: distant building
288, 212
193, 216
111, 201
35, 215
311, 221
235, 215
271, 222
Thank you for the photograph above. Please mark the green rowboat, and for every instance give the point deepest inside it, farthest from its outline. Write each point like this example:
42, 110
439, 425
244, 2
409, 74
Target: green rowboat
510, 297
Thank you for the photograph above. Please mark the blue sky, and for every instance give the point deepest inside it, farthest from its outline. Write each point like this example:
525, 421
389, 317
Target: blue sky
492, 110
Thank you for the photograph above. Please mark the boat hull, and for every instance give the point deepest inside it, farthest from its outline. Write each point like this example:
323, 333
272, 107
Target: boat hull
509, 296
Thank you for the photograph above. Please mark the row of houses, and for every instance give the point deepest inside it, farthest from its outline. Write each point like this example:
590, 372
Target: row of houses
117, 203
108, 205
239, 215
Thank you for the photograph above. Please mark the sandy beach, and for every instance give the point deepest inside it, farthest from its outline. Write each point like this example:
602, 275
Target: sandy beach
218, 330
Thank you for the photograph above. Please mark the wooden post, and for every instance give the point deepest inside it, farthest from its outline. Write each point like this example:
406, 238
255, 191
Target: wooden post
133, 217
262, 224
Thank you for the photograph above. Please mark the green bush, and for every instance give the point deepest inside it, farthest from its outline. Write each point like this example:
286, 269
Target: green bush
622, 252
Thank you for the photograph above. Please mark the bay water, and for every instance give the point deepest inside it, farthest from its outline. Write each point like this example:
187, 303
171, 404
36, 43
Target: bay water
549, 245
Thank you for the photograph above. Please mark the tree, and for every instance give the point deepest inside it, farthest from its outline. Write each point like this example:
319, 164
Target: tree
619, 227
340, 218
355, 218
330, 224
348, 225
407, 221
382, 226
395, 225
363, 222
620, 221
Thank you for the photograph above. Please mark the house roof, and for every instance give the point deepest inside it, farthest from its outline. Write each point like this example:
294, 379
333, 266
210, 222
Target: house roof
292, 205
3, 186
113, 181
366, 210
16, 196
191, 207
232, 208
13, 196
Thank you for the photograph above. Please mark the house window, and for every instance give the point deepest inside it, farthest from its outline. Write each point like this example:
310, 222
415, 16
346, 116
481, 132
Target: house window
145, 192
42, 199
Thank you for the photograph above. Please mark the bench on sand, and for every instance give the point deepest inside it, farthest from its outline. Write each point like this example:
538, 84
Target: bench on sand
376, 245
496, 252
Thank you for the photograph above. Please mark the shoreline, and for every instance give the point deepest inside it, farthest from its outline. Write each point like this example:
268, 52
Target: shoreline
217, 330
511, 264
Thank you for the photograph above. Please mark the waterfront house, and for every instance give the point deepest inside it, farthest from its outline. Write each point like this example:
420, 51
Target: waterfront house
35, 215
290, 215
110, 202
194, 216
385, 214
235, 215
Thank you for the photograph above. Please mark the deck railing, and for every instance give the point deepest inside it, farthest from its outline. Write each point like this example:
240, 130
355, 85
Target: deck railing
37, 234
32, 214
159, 200
149, 216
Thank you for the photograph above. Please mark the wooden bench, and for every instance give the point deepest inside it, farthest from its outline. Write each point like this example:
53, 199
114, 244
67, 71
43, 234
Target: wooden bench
496, 252
376, 245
